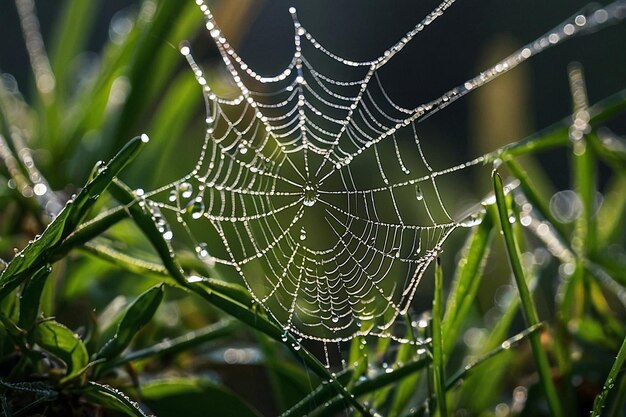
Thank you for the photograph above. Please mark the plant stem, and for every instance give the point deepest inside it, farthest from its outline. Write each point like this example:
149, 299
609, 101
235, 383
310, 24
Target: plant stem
528, 306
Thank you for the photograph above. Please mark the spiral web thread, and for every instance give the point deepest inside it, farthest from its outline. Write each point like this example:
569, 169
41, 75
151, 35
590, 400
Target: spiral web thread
330, 251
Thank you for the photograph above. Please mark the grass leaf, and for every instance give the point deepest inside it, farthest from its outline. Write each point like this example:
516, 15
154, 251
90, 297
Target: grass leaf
136, 316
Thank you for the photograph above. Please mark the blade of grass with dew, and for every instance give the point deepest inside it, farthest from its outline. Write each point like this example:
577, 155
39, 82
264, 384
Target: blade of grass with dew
528, 306
467, 371
439, 362
557, 134
466, 281
39, 252
112, 398
406, 388
599, 402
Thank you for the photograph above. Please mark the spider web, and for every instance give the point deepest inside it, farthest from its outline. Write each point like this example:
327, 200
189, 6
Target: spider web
302, 182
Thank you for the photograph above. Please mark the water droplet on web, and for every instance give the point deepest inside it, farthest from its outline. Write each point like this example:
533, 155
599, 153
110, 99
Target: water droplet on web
284, 337
196, 208
302, 233
202, 250
334, 318
418, 193
310, 195
172, 196
185, 189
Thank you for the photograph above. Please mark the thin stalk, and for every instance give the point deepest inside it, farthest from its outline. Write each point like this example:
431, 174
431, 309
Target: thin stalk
438, 356
598, 404
528, 306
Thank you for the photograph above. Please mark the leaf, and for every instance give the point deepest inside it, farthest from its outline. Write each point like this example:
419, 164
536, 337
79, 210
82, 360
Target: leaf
193, 397
112, 398
31, 297
63, 343
136, 316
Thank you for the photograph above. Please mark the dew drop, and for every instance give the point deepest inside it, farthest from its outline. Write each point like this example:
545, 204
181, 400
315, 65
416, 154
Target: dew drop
418, 193
302, 233
196, 208
185, 189
334, 318
173, 196
310, 195
202, 250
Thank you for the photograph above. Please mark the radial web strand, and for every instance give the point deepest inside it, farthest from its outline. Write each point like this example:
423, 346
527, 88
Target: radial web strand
302, 182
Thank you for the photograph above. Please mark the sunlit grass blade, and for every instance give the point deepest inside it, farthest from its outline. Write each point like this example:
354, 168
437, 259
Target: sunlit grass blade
466, 281
557, 135
599, 402
528, 306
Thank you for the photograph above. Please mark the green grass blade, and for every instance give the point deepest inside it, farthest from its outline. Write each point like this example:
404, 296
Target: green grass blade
136, 316
466, 282
438, 356
30, 298
598, 404
558, 134
69, 38
528, 306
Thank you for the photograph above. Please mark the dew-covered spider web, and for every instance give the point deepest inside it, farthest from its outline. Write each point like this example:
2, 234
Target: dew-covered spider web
304, 188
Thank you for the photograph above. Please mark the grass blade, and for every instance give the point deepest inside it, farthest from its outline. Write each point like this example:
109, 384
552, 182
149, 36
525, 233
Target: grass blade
113, 399
466, 282
438, 356
136, 316
31, 298
598, 404
528, 306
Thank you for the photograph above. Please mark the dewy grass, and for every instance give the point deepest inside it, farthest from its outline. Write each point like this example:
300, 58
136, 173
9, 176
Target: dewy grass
528, 305
126, 285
